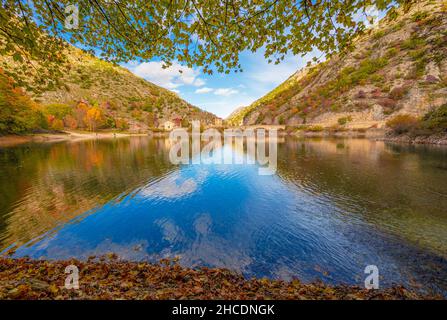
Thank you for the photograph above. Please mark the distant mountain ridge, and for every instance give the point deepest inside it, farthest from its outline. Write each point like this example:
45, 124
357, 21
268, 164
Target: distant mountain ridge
399, 67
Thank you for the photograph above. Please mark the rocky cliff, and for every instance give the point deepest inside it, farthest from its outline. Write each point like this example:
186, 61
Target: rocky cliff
398, 67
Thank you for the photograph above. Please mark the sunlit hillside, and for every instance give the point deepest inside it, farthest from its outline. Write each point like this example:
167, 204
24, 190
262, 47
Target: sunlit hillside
396, 68
94, 94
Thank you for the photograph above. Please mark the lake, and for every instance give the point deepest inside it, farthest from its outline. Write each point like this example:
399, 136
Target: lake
333, 207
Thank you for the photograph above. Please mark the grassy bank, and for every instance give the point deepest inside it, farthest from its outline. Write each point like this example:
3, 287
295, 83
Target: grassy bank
110, 278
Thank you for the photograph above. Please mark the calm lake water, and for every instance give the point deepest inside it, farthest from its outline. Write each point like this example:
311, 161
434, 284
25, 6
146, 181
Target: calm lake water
332, 208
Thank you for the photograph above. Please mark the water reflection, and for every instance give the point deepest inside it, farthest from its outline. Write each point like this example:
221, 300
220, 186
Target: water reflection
45, 185
334, 207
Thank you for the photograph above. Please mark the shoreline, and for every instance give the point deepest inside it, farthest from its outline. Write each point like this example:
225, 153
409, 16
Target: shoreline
109, 278
12, 140
374, 134
435, 139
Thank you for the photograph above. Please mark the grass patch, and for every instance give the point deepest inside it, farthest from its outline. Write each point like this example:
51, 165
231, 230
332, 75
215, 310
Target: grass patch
413, 43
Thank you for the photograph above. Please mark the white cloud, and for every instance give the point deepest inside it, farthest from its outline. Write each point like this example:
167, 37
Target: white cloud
225, 92
263, 73
204, 90
173, 77
275, 74
199, 82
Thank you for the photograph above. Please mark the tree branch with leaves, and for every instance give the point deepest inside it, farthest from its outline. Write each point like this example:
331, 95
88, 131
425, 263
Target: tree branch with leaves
141, 30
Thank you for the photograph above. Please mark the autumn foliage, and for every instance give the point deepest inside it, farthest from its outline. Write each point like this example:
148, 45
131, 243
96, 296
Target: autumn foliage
18, 113
403, 123
111, 278
93, 118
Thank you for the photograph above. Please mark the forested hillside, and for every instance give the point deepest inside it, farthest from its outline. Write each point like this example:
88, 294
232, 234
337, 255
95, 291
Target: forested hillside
90, 95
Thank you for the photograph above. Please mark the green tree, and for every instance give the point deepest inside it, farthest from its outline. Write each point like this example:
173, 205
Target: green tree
59, 110
206, 33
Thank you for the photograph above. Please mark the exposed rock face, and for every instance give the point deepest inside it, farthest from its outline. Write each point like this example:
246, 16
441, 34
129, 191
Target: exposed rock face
433, 72
294, 121
252, 118
398, 68
377, 112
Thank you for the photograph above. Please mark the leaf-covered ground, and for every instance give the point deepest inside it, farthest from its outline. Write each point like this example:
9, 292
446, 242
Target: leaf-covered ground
110, 278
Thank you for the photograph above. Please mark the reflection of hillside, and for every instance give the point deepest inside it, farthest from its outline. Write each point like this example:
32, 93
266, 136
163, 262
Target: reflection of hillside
43, 186
403, 193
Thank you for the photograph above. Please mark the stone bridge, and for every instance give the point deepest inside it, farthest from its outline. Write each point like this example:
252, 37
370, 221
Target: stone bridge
263, 126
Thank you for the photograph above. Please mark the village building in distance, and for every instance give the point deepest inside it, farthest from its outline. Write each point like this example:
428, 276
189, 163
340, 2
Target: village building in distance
178, 122
168, 125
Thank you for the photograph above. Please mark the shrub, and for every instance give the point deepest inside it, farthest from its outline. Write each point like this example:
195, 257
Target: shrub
391, 52
361, 94
377, 78
376, 93
399, 92
316, 128
398, 26
360, 105
344, 120
59, 110
418, 16
413, 43
109, 122
335, 107
121, 124
351, 76
379, 34
436, 119
387, 103
417, 54
281, 120
420, 66
403, 123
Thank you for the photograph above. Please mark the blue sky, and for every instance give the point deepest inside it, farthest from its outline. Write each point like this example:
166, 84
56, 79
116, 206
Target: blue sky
222, 93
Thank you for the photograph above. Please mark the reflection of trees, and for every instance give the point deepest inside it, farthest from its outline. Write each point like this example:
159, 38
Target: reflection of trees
399, 189
45, 185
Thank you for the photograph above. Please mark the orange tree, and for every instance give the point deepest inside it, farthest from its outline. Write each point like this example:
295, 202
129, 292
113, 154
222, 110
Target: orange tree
93, 118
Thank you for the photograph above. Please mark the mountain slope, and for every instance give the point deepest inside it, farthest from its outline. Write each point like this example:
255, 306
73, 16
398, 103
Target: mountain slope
117, 97
400, 67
